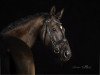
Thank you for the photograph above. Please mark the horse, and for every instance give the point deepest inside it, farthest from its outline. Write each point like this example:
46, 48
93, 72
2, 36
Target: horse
19, 37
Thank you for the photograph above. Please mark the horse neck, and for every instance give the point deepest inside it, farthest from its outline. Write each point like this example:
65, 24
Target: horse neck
27, 33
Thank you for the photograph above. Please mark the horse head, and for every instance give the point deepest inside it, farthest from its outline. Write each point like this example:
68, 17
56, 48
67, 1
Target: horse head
53, 34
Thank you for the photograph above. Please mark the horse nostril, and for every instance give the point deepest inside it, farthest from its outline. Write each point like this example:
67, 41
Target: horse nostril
65, 54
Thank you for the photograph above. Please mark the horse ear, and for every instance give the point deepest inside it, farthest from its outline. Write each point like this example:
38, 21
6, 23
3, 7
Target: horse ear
59, 14
52, 12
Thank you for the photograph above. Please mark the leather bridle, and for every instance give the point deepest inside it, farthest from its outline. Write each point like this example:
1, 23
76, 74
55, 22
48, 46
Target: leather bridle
54, 43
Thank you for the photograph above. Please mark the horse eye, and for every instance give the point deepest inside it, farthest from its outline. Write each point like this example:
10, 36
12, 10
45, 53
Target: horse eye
54, 29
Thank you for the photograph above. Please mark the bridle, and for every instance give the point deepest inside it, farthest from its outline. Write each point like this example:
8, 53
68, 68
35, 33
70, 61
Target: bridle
48, 30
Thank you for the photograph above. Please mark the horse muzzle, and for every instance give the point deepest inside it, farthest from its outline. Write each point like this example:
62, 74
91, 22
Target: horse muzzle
63, 51
65, 55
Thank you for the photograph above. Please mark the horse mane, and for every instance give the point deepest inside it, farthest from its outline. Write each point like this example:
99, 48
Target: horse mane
22, 21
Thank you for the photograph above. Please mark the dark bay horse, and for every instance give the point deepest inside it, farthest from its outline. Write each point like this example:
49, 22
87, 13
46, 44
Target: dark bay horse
18, 38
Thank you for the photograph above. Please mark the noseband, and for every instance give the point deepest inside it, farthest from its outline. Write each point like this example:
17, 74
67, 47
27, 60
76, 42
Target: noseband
54, 43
